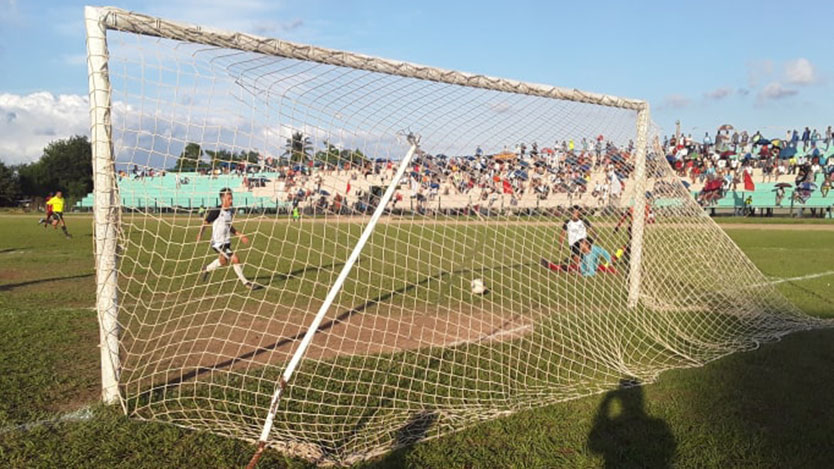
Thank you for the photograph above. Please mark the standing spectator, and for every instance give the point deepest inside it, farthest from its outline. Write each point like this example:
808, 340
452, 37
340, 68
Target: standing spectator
806, 137
755, 139
780, 194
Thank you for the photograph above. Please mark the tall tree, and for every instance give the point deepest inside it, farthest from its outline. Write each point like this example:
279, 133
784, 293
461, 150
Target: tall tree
355, 156
330, 155
298, 148
191, 159
9, 186
218, 157
65, 165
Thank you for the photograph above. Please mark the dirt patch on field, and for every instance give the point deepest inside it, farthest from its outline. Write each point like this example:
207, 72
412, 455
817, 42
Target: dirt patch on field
186, 350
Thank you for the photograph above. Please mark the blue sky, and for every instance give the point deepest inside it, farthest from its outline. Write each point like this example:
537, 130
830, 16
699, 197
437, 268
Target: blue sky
757, 65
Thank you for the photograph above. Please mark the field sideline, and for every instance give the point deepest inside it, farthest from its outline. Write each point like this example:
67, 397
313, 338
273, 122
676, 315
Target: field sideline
759, 409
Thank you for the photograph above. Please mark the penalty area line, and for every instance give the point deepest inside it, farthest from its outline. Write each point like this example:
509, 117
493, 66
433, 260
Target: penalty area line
80, 415
801, 277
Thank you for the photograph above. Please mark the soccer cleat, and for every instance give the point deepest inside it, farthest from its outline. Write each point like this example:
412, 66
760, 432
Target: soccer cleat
252, 286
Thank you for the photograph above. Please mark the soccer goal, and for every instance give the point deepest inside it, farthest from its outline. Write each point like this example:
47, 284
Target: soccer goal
337, 255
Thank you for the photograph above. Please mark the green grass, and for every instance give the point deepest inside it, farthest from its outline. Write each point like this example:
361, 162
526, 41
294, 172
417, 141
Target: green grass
757, 220
765, 408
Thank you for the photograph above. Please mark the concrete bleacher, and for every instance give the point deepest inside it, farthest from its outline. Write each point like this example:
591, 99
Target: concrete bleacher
764, 197
163, 192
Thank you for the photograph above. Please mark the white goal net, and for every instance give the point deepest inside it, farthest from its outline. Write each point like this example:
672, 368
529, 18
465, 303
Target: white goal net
525, 245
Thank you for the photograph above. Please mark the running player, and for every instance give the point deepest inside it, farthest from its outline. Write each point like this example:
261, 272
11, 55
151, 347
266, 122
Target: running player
46, 221
57, 204
220, 220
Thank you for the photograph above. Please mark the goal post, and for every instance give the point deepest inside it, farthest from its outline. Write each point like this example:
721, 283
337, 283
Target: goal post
359, 292
638, 220
106, 213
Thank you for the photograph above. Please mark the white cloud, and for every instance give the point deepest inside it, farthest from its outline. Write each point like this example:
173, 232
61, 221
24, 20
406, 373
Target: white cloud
775, 90
801, 72
267, 28
675, 101
29, 122
719, 93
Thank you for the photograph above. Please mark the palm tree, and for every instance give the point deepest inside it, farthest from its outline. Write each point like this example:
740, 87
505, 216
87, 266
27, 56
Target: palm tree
298, 147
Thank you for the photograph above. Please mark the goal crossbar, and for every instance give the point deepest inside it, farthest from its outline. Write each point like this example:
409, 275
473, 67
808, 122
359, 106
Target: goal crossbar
126, 21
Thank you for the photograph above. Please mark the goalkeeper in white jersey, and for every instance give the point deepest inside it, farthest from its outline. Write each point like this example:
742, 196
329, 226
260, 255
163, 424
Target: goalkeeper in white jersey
220, 220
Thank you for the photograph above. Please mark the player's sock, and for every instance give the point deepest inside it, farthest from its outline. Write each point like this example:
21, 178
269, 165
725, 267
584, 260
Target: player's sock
64, 229
215, 264
239, 271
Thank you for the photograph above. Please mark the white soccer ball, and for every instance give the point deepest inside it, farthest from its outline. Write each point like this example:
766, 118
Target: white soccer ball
478, 287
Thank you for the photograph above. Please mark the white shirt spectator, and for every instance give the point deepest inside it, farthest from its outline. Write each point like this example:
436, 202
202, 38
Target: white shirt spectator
614, 184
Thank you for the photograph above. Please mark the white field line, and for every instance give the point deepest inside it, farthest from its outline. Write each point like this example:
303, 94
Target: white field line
82, 414
801, 277
494, 335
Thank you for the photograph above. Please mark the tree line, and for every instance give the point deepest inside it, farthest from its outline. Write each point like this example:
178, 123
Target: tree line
66, 165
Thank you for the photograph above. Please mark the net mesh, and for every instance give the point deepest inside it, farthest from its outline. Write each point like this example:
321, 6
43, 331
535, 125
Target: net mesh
413, 347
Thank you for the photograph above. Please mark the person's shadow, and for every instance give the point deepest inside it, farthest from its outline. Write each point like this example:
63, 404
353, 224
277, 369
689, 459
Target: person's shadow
626, 436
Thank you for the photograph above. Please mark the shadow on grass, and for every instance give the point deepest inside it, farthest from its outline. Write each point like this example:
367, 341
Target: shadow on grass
809, 292
625, 435
270, 279
12, 286
414, 430
774, 403
4, 251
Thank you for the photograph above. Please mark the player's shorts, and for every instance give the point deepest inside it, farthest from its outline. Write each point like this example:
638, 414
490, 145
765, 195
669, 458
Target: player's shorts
59, 216
224, 250
574, 248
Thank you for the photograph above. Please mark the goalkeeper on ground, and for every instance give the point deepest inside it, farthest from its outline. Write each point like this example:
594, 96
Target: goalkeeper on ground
591, 256
593, 259
220, 220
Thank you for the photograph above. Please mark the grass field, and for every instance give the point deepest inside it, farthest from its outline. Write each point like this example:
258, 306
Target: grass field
757, 409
